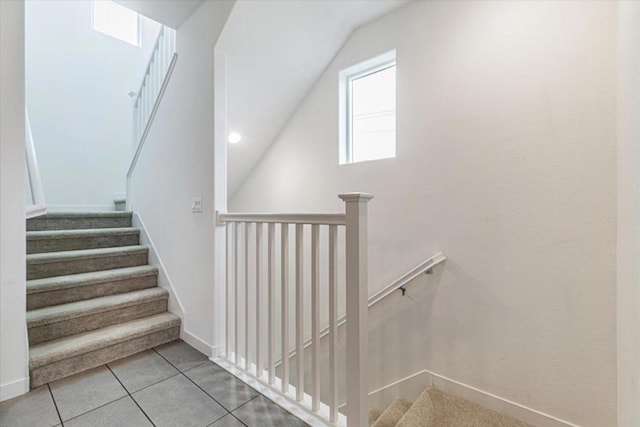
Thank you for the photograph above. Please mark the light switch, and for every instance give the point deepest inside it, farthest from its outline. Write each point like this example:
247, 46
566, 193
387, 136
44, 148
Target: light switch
196, 205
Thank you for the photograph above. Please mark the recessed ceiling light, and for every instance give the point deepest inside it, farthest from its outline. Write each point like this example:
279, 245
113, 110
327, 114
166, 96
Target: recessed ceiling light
234, 137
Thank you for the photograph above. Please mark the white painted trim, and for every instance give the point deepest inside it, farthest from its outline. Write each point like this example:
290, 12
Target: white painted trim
199, 344
411, 386
164, 281
80, 208
14, 388
35, 210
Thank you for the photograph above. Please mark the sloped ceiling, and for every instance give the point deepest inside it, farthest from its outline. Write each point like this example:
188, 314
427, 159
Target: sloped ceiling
171, 13
276, 50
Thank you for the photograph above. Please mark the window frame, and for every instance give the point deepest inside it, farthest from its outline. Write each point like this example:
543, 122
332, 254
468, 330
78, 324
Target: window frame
346, 78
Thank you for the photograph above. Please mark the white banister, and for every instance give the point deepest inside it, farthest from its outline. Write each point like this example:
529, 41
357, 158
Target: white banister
37, 206
248, 359
356, 306
151, 90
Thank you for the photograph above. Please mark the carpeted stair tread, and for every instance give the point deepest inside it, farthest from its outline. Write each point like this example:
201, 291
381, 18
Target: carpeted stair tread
56, 350
79, 220
393, 413
51, 264
89, 232
420, 414
49, 284
374, 414
52, 257
450, 410
73, 310
68, 240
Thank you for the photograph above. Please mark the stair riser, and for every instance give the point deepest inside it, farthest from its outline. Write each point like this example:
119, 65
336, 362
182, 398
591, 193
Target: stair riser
84, 265
80, 293
95, 321
73, 365
36, 246
46, 224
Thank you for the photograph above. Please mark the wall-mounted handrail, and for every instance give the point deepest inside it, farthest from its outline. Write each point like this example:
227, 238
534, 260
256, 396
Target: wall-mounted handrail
154, 83
244, 234
38, 206
400, 283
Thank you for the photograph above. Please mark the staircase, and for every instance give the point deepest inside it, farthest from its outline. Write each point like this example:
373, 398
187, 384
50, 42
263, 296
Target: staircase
435, 408
91, 297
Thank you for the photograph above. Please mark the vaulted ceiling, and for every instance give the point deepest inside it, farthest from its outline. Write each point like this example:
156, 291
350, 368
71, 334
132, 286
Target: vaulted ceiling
276, 50
171, 13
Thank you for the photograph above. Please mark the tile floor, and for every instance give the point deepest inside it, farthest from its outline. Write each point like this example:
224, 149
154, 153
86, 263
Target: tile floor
171, 385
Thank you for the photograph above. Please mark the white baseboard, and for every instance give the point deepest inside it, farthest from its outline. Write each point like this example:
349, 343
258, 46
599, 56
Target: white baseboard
411, 386
14, 388
200, 345
164, 281
81, 208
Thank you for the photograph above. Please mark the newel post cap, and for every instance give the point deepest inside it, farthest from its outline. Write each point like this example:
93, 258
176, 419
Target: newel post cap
355, 197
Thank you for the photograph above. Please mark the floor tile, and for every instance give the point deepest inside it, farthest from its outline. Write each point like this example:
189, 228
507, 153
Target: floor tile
178, 402
31, 409
221, 385
141, 370
123, 412
228, 421
181, 355
263, 412
86, 391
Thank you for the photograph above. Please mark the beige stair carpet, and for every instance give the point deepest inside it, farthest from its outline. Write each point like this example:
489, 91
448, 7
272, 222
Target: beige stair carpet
421, 413
450, 410
374, 414
393, 414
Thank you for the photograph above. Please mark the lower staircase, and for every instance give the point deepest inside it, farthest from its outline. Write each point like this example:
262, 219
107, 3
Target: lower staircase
435, 408
91, 297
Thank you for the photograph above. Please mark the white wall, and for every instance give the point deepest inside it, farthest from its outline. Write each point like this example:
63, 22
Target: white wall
77, 85
628, 214
14, 375
506, 162
176, 163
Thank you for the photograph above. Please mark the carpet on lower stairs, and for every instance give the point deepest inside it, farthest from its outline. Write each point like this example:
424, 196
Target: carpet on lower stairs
435, 408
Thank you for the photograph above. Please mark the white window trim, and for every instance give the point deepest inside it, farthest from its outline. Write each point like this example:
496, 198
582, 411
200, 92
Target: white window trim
345, 77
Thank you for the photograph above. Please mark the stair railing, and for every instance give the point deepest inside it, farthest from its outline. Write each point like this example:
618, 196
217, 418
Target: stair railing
239, 288
154, 83
425, 267
35, 203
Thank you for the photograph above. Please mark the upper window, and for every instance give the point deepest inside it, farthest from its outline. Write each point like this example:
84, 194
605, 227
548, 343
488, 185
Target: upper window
368, 110
116, 21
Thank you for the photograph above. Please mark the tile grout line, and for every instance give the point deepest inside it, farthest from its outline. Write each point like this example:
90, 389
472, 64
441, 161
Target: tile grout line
97, 407
55, 404
129, 394
203, 390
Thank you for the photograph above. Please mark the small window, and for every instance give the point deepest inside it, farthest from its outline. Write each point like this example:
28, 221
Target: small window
116, 21
368, 110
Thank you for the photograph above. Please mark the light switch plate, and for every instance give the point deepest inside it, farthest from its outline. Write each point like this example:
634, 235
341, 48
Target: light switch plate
196, 205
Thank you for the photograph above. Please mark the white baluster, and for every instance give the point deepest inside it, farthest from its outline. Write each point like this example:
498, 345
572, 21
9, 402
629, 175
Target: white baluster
258, 259
299, 313
333, 322
272, 295
357, 292
247, 226
236, 286
284, 339
227, 279
315, 317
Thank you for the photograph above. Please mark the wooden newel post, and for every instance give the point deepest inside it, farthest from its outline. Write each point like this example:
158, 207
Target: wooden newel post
357, 294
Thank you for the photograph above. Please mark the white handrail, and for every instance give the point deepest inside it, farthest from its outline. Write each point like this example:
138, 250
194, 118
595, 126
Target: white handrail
243, 287
312, 218
38, 206
400, 283
154, 83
